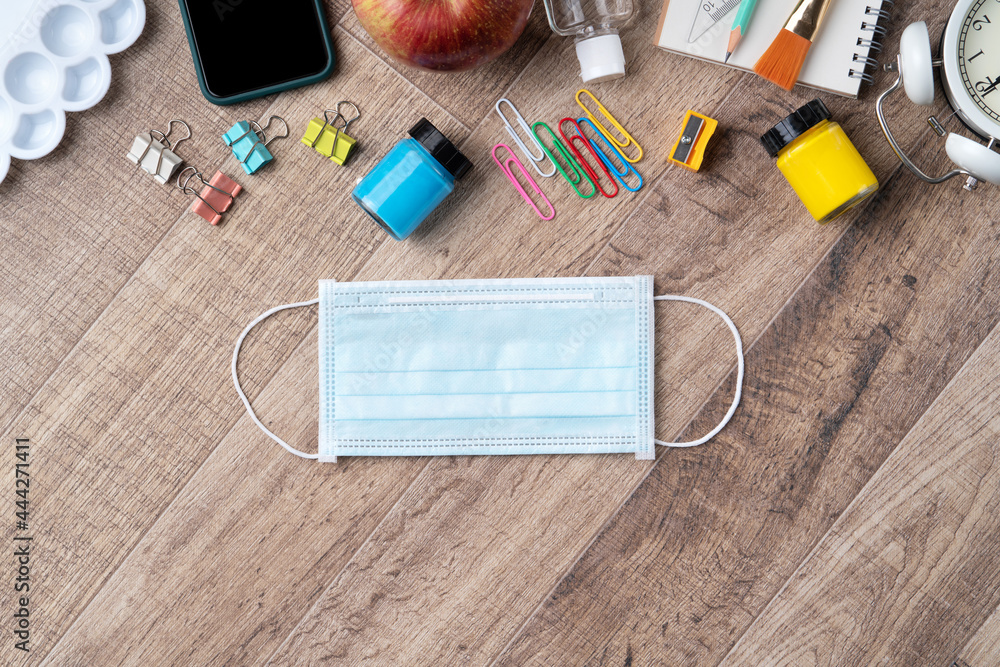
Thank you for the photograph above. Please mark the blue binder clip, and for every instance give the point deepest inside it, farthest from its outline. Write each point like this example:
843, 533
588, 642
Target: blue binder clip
248, 140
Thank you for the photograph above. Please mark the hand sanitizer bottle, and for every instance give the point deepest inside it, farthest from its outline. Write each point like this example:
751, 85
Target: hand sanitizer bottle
594, 24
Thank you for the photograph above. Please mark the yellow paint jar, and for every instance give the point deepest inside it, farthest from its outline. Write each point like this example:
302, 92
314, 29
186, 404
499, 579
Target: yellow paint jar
820, 162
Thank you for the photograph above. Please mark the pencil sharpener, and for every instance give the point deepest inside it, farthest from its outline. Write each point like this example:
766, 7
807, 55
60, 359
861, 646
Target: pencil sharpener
689, 150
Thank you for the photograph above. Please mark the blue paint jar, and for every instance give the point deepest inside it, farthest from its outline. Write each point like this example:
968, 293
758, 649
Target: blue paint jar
411, 180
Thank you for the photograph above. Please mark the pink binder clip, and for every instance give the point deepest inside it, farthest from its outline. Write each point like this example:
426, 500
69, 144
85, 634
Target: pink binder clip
216, 196
505, 167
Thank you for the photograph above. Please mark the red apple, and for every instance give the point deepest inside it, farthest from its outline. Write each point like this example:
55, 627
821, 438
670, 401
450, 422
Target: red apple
443, 35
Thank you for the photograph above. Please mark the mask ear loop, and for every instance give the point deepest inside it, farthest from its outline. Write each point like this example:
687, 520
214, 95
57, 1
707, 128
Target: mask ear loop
665, 297
739, 375
239, 389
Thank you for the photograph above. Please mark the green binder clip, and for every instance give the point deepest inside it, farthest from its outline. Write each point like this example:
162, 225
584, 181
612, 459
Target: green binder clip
329, 136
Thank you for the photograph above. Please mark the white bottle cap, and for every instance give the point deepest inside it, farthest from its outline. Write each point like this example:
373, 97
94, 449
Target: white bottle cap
601, 58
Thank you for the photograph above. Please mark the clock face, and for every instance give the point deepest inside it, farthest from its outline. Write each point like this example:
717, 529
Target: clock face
979, 56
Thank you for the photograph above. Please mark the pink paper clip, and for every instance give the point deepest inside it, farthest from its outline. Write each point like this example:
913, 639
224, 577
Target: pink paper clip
215, 197
505, 167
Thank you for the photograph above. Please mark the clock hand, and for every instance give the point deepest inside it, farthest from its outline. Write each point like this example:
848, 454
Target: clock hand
989, 89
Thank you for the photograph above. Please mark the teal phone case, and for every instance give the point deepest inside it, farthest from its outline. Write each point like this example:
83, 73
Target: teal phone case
267, 90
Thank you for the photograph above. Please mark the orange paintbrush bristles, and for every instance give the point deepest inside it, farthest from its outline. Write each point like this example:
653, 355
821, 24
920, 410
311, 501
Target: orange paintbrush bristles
783, 60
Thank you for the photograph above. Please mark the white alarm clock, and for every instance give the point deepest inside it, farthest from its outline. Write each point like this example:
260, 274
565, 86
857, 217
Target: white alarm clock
970, 74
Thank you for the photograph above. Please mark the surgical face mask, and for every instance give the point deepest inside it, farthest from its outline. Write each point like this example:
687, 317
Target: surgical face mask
527, 366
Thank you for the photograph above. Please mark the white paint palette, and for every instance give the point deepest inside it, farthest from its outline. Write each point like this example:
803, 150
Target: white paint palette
54, 59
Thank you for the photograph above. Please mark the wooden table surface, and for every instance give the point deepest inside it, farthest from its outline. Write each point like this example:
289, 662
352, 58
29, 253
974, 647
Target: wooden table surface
849, 514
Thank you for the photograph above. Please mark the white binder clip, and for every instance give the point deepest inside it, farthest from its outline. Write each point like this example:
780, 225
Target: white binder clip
154, 153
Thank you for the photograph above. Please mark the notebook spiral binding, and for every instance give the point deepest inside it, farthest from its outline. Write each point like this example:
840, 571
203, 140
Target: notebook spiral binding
872, 44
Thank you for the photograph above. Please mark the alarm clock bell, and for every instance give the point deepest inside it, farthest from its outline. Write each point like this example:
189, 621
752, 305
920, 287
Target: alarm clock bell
915, 67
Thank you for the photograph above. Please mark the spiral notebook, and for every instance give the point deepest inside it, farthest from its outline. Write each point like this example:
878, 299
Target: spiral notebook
846, 47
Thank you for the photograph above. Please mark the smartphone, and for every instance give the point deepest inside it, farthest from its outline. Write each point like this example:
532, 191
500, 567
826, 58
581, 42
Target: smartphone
244, 49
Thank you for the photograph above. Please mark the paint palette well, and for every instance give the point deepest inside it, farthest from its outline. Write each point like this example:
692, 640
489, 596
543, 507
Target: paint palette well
53, 59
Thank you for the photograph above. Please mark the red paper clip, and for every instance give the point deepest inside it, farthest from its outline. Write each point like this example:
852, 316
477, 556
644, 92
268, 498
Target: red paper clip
505, 167
583, 163
216, 196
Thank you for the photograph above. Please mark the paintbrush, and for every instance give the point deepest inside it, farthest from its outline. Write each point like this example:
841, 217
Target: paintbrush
782, 61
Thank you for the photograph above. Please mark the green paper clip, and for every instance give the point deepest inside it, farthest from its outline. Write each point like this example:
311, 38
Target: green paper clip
580, 174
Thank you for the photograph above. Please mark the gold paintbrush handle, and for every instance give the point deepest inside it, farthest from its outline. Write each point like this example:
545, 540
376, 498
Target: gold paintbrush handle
807, 18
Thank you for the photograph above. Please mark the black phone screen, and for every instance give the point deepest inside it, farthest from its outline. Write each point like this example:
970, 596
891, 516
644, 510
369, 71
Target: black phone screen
248, 45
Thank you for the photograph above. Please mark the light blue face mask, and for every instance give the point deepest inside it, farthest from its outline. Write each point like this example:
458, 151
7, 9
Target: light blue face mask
528, 366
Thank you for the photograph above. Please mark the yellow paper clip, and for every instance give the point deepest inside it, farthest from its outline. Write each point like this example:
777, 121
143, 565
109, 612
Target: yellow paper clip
689, 149
329, 136
627, 139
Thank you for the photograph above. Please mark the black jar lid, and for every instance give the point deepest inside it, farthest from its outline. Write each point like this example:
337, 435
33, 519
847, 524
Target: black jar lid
440, 148
794, 126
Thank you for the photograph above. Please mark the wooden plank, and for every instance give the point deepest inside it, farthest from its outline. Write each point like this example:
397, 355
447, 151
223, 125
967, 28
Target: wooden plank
460, 241
145, 397
69, 257
319, 635
984, 647
217, 577
912, 567
461, 590
196, 596
711, 534
465, 589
